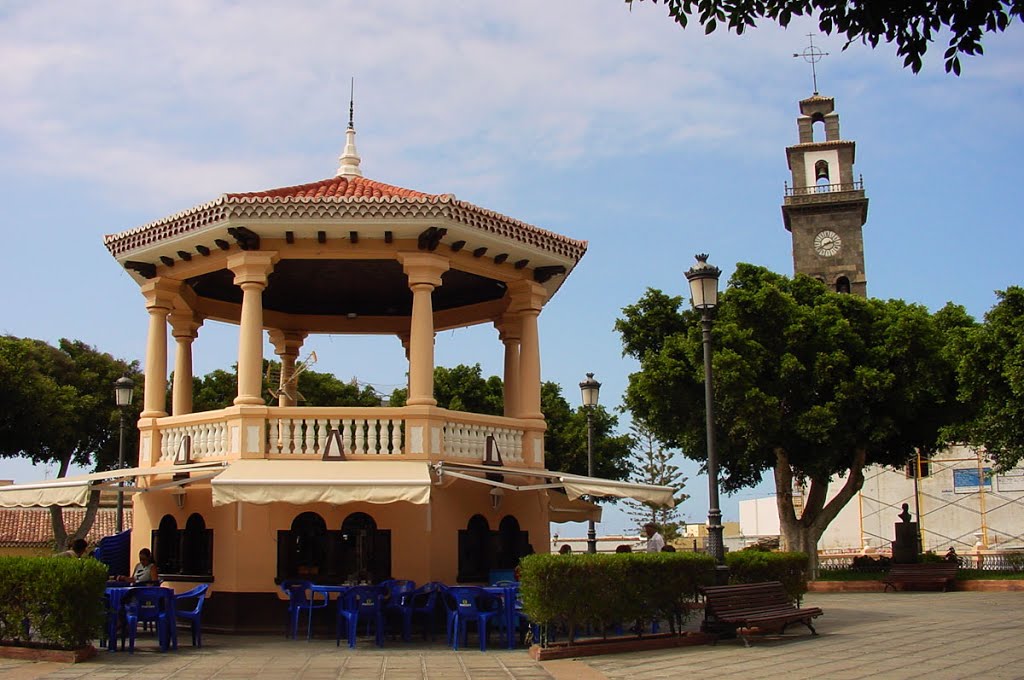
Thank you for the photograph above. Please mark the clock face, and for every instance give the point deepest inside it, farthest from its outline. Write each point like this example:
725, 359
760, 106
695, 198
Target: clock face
827, 243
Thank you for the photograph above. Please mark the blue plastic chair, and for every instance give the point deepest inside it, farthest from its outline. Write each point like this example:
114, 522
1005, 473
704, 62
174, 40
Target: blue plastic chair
192, 615
469, 603
366, 602
150, 604
398, 604
422, 602
301, 597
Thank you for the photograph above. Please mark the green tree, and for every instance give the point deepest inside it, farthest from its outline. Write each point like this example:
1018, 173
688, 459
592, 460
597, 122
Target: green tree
910, 24
57, 406
218, 389
652, 464
463, 388
990, 368
809, 384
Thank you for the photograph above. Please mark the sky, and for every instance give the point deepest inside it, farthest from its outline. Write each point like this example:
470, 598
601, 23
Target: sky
589, 119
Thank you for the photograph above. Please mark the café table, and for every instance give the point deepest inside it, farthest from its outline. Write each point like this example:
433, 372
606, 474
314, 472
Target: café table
508, 593
117, 594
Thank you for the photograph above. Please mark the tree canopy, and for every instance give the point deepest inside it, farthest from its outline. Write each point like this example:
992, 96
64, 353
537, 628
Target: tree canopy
909, 24
990, 367
464, 388
57, 406
809, 384
653, 465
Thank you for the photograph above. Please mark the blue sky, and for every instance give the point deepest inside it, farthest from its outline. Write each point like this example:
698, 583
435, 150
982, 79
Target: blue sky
588, 119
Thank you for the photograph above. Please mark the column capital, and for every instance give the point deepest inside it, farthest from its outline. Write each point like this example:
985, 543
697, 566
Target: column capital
185, 324
252, 266
286, 342
424, 268
161, 292
509, 327
526, 296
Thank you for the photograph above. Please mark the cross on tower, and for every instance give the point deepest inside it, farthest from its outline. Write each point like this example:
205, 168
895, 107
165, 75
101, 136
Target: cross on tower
812, 55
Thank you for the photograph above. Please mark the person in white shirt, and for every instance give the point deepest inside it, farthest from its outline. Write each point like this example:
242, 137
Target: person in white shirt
654, 540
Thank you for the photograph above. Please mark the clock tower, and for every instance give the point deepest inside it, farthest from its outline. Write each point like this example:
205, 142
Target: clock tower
825, 209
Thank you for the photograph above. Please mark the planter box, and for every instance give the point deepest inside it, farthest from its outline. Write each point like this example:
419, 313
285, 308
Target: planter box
43, 654
617, 645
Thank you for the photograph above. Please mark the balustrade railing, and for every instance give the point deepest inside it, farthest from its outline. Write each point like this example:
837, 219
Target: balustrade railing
824, 188
209, 439
310, 436
469, 440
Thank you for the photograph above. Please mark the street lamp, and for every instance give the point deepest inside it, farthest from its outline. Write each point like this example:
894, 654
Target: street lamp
590, 389
703, 279
122, 397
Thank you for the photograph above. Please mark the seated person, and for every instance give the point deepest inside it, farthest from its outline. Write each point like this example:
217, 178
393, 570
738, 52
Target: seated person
145, 572
76, 549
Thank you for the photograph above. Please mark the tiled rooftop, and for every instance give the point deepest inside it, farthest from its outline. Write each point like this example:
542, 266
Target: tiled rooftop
30, 527
347, 187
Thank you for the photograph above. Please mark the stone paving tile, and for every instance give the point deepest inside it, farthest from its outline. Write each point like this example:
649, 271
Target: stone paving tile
864, 635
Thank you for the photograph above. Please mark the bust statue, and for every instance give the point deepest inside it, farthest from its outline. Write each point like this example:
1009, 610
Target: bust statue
905, 515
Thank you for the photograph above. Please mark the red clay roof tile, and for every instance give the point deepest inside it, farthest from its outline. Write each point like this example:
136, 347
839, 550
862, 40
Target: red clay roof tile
348, 187
30, 527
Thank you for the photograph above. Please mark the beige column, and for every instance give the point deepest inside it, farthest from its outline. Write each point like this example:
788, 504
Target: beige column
527, 300
287, 345
404, 339
159, 294
509, 333
251, 269
185, 329
424, 271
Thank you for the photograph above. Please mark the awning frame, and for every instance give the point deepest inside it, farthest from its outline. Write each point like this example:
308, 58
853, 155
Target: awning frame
562, 480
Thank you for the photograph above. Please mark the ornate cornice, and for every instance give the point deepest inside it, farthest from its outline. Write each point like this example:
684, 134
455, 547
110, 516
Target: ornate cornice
254, 209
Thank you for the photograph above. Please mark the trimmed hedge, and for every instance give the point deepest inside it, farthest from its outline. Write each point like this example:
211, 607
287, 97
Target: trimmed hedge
754, 566
602, 590
51, 601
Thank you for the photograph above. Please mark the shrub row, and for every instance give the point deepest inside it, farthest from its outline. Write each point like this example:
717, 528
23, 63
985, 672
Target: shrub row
602, 590
754, 566
51, 601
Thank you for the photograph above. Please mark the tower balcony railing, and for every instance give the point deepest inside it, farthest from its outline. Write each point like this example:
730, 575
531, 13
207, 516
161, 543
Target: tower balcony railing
825, 188
309, 433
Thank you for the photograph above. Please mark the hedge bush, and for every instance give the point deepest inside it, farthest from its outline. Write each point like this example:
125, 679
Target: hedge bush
602, 590
51, 601
755, 566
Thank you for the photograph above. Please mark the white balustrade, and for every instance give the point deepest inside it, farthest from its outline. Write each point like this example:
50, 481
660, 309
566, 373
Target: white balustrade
309, 436
209, 440
465, 440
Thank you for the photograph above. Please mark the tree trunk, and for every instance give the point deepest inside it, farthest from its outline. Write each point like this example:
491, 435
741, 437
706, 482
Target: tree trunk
61, 540
802, 534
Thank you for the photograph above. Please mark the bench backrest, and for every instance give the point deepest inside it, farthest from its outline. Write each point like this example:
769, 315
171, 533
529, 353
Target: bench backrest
723, 600
924, 568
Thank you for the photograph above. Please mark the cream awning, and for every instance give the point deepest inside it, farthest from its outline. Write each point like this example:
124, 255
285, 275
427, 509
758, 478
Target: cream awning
574, 485
302, 481
65, 491
562, 509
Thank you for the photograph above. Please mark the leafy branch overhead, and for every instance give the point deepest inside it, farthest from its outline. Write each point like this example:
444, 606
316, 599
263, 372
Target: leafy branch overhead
909, 24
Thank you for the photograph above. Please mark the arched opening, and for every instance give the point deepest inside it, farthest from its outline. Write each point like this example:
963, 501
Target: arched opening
842, 285
818, 127
512, 543
302, 550
822, 179
364, 550
167, 546
197, 547
476, 546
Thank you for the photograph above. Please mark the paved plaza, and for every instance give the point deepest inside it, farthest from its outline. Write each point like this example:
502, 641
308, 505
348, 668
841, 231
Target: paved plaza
862, 635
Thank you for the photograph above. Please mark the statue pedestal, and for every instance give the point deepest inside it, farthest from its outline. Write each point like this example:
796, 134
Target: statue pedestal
904, 548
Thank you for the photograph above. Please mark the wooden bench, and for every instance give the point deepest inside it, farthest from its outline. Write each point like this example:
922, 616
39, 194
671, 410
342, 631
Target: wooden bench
924, 574
729, 609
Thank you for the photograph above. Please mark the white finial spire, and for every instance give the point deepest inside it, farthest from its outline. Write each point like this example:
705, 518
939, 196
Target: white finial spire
349, 159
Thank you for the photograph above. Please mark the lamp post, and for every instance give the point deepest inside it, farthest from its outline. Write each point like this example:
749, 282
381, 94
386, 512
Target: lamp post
590, 389
703, 279
122, 397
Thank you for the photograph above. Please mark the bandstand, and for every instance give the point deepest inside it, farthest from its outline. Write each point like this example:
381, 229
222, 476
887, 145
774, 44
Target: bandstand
254, 493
